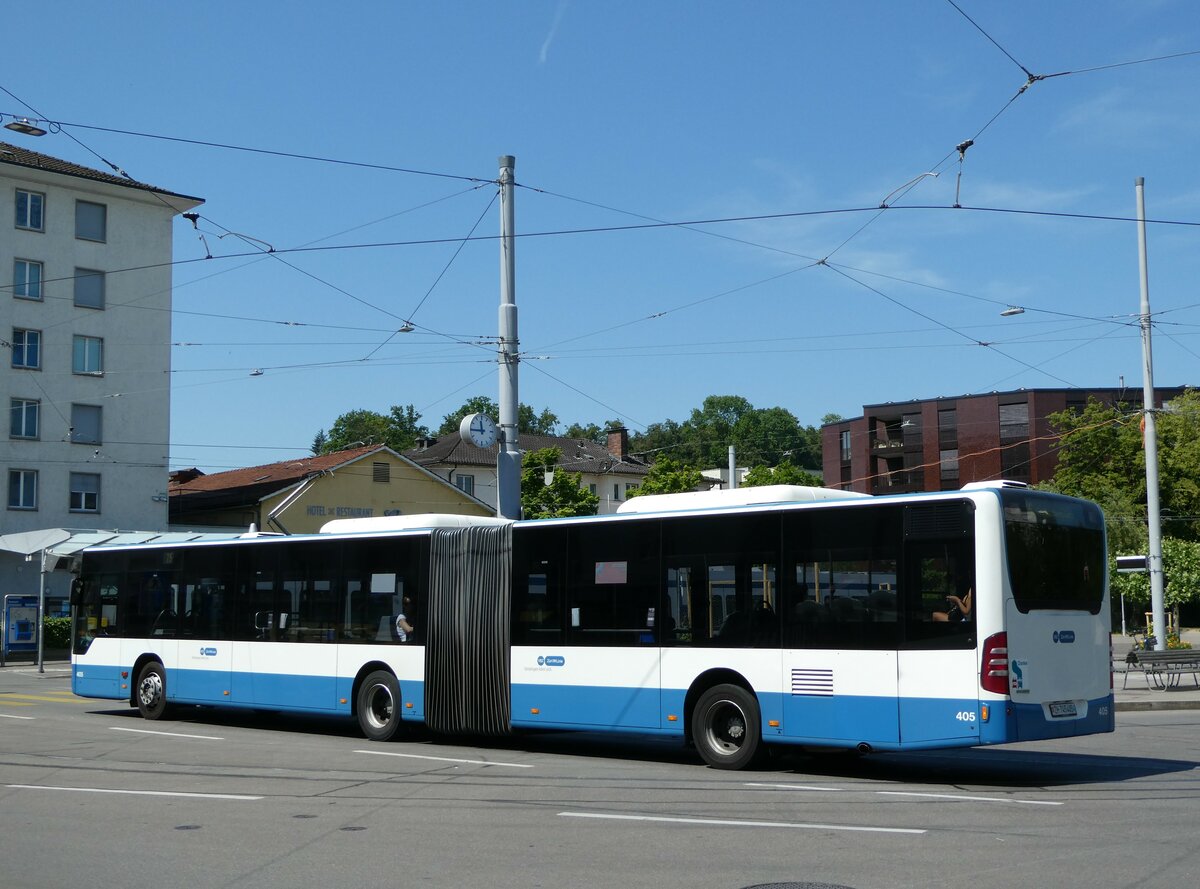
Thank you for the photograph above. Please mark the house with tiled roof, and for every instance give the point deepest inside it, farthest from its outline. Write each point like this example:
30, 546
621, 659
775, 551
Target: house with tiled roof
85, 347
299, 496
608, 470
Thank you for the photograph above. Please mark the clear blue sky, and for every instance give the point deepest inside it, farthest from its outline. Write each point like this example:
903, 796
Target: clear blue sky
619, 113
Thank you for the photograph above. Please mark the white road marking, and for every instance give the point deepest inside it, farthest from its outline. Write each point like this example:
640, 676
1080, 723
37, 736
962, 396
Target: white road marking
715, 822
143, 731
471, 762
974, 799
797, 787
233, 796
10, 716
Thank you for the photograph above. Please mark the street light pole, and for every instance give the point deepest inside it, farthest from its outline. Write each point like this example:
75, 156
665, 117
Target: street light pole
1154, 564
508, 459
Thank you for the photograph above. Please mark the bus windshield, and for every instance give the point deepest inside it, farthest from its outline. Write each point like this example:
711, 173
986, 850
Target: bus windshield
1056, 551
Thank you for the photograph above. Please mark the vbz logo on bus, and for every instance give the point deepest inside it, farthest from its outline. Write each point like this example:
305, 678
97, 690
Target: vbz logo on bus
1064, 636
208, 652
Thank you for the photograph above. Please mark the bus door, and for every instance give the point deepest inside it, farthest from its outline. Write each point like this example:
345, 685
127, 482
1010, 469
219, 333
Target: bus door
205, 651
938, 664
839, 659
290, 614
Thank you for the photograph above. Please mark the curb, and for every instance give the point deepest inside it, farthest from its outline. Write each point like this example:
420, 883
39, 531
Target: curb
1142, 706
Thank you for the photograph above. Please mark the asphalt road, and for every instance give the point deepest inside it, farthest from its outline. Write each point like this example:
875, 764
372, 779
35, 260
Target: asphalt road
90, 794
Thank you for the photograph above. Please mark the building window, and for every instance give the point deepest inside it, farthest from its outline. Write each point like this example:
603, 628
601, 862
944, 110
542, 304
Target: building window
381, 472
27, 279
85, 423
949, 463
948, 429
592, 488
91, 221
22, 489
1014, 421
844, 444
85, 492
465, 483
88, 355
89, 288
30, 205
629, 486
616, 491
24, 422
26, 348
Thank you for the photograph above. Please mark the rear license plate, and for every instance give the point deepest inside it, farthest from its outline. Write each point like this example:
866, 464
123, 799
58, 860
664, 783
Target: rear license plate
1063, 708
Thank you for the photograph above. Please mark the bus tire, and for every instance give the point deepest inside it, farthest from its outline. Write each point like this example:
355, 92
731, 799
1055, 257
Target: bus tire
379, 706
726, 727
152, 691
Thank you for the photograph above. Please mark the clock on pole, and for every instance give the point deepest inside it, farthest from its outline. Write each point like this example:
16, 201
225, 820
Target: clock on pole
478, 429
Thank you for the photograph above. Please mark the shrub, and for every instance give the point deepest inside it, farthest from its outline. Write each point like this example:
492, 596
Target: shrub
57, 632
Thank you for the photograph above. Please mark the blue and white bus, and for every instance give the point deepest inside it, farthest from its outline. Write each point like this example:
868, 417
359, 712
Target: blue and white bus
731, 620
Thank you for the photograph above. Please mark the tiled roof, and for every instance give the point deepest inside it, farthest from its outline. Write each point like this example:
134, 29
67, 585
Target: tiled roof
578, 455
258, 481
23, 157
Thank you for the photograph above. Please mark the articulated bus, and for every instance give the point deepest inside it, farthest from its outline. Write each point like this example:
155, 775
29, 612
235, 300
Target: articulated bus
731, 620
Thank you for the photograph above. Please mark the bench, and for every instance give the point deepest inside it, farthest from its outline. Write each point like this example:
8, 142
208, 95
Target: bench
1163, 668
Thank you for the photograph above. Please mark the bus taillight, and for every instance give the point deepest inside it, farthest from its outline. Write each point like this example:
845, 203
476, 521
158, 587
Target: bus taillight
993, 676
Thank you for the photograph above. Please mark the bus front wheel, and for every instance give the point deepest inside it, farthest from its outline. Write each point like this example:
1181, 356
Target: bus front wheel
152, 691
726, 727
379, 706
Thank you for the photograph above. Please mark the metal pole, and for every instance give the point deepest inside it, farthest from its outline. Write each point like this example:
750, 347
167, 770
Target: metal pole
1154, 562
733, 481
508, 460
41, 614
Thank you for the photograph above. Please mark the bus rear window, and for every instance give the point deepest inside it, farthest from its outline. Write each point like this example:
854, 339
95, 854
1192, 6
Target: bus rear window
1055, 552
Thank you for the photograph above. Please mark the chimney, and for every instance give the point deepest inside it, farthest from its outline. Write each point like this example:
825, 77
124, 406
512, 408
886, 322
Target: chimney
618, 442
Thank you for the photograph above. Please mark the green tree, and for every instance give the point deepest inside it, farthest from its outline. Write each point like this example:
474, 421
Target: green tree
590, 432
783, 474
528, 420
667, 476
1181, 576
480, 404
1101, 457
399, 429
563, 496
354, 429
318, 443
768, 436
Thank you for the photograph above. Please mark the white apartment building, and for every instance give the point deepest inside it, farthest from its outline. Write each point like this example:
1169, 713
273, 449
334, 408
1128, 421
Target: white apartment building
85, 326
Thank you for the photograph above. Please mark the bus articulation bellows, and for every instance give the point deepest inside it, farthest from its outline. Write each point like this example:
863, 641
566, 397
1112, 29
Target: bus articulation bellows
731, 620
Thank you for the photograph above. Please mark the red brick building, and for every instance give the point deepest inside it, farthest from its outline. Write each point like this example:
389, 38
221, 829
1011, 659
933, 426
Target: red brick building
943, 443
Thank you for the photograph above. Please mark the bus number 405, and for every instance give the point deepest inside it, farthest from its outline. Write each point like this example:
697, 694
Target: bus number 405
965, 716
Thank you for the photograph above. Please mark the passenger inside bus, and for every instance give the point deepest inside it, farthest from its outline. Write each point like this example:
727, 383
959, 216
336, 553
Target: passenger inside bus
959, 608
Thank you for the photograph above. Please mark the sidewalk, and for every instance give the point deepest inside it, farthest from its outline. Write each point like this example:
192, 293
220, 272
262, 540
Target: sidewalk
1140, 695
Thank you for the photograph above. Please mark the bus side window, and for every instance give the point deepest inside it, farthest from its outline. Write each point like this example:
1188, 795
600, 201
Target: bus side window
936, 572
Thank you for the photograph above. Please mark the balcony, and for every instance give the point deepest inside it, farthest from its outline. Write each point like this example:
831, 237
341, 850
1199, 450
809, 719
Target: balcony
898, 482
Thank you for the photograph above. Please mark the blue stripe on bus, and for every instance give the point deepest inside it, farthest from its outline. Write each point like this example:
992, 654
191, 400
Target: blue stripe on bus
272, 690
844, 720
98, 682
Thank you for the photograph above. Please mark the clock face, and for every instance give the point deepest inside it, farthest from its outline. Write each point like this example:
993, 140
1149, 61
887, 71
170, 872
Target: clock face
478, 429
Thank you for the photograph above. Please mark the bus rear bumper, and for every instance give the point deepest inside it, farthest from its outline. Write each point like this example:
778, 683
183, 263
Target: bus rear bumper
1038, 721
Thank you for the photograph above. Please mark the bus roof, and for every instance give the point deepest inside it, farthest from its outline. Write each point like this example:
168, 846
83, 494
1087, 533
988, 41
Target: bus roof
758, 496
378, 524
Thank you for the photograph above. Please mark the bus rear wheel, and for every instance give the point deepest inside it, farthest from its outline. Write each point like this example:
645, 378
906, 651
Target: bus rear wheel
726, 727
379, 706
152, 691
